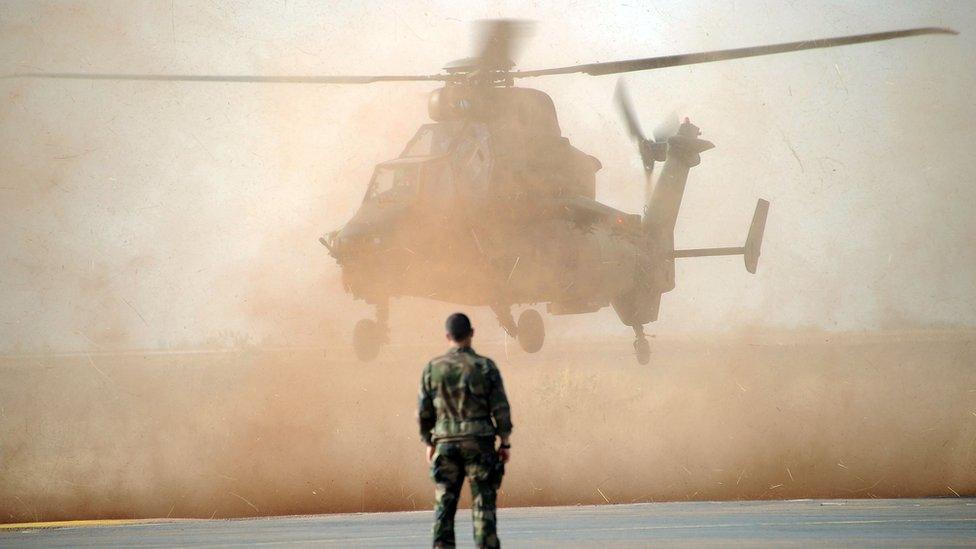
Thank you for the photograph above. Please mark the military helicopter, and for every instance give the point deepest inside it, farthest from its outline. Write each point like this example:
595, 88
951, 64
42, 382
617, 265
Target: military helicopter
489, 205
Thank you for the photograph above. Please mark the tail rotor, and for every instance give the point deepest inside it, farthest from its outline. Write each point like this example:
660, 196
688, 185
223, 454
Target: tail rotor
651, 150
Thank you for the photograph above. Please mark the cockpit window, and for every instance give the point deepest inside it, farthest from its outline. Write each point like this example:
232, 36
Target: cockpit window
472, 154
432, 140
395, 180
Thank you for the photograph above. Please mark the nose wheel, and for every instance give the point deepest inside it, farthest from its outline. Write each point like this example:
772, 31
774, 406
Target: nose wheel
531, 331
369, 336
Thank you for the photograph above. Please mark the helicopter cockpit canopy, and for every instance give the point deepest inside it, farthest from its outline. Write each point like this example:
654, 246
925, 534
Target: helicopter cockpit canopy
394, 180
430, 159
403, 179
421, 164
432, 140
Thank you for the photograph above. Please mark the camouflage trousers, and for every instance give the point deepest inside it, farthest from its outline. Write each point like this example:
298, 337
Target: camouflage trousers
476, 459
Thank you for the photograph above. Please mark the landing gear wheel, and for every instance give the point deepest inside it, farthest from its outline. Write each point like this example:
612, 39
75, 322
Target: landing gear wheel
531, 331
367, 338
643, 350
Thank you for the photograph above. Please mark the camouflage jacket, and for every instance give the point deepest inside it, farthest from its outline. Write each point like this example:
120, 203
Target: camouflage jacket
461, 397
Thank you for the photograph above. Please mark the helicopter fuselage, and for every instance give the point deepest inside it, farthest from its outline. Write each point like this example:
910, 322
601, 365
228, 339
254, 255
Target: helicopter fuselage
491, 205
492, 211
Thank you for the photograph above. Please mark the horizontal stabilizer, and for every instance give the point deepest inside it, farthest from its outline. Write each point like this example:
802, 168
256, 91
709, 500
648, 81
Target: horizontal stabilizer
750, 251
709, 252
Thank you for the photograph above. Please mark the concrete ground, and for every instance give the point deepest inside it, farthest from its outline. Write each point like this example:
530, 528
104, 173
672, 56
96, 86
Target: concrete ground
906, 522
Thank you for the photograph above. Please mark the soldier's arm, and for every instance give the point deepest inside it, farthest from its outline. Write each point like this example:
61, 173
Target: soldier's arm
498, 401
426, 415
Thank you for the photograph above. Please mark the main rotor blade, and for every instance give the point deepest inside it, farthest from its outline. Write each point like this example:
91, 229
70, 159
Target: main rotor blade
614, 67
500, 40
218, 78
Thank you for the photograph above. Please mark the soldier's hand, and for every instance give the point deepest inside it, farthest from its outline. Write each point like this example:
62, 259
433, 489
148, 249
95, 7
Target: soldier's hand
504, 454
430, 454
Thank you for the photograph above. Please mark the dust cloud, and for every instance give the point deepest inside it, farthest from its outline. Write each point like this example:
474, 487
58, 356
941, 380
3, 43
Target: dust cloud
257, 432
176, 343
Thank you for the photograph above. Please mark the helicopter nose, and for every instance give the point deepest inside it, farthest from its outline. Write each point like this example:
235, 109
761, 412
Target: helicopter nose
350, 232
357, 238
331, 243
354, 234
370, 230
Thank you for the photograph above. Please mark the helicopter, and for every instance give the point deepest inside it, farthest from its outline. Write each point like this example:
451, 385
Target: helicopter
490, 205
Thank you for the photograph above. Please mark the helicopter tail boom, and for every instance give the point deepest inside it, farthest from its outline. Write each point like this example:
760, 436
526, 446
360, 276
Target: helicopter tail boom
750, 251
683, 153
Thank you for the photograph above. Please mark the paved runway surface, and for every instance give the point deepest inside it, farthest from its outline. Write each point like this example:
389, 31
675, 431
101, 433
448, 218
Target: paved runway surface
924, 522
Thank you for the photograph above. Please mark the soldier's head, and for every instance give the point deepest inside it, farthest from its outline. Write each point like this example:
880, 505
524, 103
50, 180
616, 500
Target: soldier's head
459, 330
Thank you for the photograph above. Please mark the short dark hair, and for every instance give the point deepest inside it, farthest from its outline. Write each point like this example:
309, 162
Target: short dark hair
458, 326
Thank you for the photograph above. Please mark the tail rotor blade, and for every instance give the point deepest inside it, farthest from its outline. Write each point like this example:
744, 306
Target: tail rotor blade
645, 146
627, 112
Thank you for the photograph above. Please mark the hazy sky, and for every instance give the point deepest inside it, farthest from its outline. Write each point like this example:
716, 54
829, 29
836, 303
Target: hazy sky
141, 213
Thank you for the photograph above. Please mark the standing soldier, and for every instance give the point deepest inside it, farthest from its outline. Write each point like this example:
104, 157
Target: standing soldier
463, 408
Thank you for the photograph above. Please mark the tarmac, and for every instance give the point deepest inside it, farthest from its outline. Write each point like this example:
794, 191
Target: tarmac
870, 522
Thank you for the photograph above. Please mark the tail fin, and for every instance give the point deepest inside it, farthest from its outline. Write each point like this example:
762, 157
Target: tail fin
754, 240
684, 149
